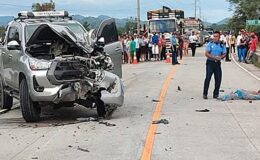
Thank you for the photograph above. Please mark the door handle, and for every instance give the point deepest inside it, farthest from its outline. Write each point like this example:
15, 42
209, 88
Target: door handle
10, 56
118, 49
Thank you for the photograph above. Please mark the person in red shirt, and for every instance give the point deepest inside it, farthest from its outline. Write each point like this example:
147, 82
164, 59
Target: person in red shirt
252, 47
163, 51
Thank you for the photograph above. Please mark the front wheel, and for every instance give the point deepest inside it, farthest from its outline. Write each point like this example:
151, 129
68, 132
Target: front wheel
30, 110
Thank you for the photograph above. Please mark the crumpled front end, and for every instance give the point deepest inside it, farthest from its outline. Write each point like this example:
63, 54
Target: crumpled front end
76, 72
114, 94
84, 82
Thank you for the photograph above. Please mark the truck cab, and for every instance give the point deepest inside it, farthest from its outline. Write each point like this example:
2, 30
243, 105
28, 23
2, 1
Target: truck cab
165, 21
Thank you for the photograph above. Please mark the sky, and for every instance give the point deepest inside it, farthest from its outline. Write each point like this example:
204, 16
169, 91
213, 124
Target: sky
211, 10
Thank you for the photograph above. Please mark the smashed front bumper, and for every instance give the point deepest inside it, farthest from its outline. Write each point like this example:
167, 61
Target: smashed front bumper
116, 95
112, 92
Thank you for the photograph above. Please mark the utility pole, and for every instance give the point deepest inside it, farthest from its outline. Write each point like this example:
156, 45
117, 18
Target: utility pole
195, 9
138, 17
200, 12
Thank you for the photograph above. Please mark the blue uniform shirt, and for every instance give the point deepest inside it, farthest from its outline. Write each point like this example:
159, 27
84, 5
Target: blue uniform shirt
174, 40
155, 39
216, 49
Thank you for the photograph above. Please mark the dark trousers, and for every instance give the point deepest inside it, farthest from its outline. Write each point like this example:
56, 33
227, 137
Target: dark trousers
233, 48
163, 53
193, 48
213, 67
180, 52
138, 55
149, 54
174, 55
125, 57
227, 55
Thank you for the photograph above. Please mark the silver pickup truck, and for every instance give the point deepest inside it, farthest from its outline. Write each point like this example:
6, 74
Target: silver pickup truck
47, 58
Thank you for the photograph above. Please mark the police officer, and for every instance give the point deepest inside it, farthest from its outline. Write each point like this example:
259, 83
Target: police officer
215, 51
174, 42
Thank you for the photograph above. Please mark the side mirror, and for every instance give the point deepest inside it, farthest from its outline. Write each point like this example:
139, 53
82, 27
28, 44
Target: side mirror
13, 45
101, 42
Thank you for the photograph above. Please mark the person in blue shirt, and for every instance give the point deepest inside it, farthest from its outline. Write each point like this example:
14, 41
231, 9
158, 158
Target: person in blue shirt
174, 49
155, 47
155, 39
215, 52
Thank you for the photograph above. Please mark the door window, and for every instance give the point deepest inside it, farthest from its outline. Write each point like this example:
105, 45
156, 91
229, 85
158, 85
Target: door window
109, 33
13, 34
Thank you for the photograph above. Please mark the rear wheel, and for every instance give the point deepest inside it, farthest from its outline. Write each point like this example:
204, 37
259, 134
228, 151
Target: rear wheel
30, 110
6, 101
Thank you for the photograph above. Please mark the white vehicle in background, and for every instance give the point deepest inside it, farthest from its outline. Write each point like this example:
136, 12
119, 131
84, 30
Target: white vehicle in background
165, 21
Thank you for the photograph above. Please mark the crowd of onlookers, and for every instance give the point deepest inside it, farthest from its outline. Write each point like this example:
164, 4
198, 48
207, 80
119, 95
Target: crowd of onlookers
151, 48
154, 47
244, 44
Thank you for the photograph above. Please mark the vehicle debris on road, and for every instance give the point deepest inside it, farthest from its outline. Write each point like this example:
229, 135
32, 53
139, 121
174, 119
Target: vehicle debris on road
88, 119
107, 124
164, 121
155, 100
202, 110
83, 149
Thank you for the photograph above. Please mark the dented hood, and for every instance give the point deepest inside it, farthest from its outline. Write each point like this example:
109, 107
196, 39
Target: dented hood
45, 32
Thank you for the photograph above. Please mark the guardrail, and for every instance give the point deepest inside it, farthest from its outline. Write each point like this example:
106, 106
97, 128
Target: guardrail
257, 58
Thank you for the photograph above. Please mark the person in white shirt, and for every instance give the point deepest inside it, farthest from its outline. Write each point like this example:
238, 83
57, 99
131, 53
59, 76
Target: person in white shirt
193, 41
137, 42
239, 37
227, 44
222, 37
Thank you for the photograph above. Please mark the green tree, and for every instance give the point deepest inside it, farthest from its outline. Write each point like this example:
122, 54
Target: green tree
86, 25
243, 10
130, 26
2, 32
121, 30
44, 6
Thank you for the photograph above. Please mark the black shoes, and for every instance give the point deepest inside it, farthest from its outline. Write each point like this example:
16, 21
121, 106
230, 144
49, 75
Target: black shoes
175, 63
206, 97
215, 96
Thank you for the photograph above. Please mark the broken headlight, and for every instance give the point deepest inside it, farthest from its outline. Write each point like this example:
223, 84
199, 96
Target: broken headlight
36, 64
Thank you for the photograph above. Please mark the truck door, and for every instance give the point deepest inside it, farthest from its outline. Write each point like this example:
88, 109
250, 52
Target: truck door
113, 46
10, 57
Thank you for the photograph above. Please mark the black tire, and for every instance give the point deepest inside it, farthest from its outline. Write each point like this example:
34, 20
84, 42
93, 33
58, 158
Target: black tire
101, 111
6, 101
30, 110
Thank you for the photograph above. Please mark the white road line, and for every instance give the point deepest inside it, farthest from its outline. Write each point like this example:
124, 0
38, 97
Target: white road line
250, 73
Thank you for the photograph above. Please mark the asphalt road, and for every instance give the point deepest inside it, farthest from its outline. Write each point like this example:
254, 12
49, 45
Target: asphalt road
229, 131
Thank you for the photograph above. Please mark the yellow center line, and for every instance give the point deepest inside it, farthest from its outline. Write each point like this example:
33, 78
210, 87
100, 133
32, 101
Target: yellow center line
148, 147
